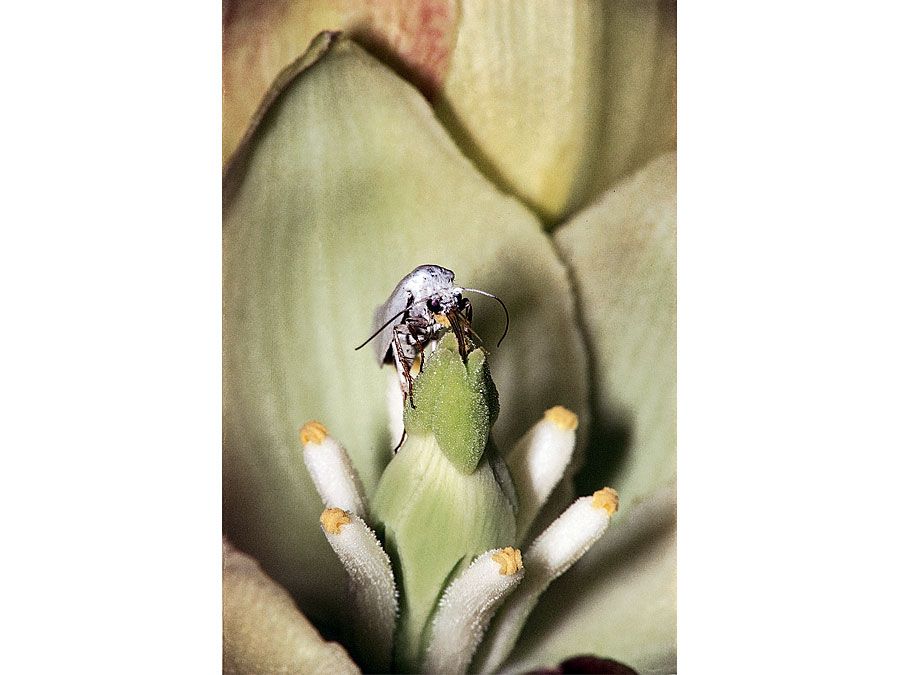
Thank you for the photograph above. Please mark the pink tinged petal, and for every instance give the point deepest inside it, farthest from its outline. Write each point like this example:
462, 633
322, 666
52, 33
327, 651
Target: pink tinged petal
586, 664
260, 39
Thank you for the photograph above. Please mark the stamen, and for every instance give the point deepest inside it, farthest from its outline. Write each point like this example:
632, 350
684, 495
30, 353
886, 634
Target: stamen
549, 556
373, 593
467, 606
331, 470
537, 463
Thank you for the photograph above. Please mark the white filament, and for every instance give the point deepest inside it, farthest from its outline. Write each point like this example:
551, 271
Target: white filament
334, 476
537, 463
464, 611
373, 593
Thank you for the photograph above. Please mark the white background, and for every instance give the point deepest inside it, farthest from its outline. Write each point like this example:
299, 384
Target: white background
788, 338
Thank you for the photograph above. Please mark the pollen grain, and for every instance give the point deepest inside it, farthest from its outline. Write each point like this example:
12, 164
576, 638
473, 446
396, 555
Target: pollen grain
313, 432
607, 499
509, 559
562, 417
334, 519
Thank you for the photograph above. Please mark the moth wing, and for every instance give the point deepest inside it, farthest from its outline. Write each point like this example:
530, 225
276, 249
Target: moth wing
399, 300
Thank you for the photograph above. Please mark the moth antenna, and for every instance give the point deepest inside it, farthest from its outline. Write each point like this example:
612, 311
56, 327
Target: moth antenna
505, 311
388, 322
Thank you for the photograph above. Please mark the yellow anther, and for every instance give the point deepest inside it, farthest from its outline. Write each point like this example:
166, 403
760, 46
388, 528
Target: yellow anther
313, 432
509, 559
608, 499
416, 366
562, 417
334, 519
443, 320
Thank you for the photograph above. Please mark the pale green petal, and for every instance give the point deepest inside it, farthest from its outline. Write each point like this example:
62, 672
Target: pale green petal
556, 100
262, 629
347, 185
618, 602
638, 89
621, 252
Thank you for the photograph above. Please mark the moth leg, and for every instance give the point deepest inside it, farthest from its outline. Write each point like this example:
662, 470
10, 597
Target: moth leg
467, 314
460, 327
421, 332
467, 310
402, 438
403, 365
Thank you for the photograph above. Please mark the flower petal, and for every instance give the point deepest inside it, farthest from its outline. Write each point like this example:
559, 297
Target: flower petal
557, 100
263, 632
555, 103
620, 600
621, 252
262, 38
348, 183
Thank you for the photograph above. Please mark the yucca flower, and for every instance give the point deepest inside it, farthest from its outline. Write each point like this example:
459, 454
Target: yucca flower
345, 181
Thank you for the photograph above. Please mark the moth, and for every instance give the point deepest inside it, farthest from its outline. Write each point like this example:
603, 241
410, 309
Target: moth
423, 306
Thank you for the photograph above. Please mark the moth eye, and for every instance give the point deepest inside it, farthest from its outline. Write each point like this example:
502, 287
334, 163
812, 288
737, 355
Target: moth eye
433, 304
